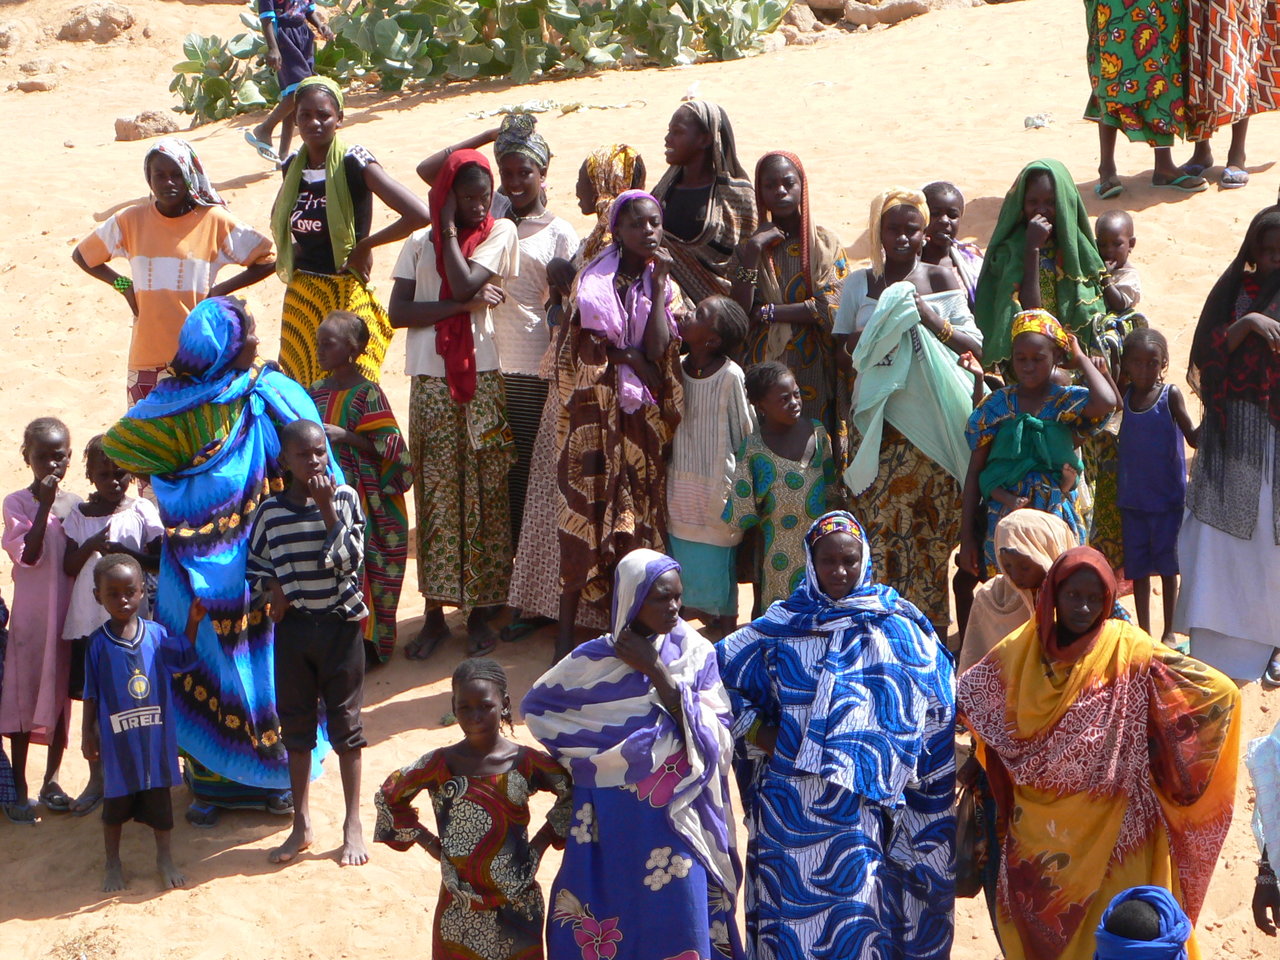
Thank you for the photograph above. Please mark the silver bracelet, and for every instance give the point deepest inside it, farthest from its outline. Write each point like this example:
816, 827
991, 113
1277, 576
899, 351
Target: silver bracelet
1266, 880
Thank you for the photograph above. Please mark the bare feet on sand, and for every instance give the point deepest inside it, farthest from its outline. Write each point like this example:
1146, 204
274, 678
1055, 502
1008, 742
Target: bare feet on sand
294, 844
113, 878
170, 876
354, 853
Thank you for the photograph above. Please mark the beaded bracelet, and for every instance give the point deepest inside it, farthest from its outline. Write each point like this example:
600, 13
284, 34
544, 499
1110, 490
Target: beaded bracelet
1266, 880
946, 332
747, 274
812, 306
122, 284
767, 312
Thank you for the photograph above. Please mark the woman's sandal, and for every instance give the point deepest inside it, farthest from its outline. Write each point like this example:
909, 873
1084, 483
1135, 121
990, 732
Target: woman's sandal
55, 799
481, 644
23, 814
86, 803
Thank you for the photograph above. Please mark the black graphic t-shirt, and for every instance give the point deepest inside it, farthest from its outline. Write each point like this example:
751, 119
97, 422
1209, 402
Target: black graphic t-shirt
313, 252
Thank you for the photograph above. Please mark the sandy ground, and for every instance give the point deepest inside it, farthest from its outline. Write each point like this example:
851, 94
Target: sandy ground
938, 97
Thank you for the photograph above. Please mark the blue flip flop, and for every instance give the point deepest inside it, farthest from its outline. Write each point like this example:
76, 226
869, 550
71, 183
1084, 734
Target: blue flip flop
264, 149
1233, 178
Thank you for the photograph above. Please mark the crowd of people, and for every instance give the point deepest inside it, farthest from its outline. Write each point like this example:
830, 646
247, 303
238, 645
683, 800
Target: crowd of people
610, 435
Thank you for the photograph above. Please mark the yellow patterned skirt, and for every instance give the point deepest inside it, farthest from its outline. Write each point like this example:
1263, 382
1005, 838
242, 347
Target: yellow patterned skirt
308, 299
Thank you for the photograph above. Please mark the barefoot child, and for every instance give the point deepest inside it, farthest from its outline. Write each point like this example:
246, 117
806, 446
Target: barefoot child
717, 417
367, 442
34, 704
1023, 435
110, 521
490, 904
305, 553
1153, 473
781, 480
128, 726
291, 53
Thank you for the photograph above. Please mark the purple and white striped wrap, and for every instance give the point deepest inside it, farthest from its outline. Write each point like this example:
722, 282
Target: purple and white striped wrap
603, 721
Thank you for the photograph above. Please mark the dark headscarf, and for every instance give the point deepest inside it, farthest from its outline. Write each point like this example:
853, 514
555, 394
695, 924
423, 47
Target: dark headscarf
1071, 562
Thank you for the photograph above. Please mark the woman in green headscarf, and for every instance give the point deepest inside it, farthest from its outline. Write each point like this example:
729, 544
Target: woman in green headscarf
1042, 255
321, 221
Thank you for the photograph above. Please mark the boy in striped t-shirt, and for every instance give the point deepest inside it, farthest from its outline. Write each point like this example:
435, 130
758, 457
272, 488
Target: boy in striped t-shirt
305, 554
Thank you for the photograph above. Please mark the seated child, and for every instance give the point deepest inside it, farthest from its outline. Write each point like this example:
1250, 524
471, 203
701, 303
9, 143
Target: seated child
110, 521
1121, 288
715, 420
782, 477
479, 788
1143, 922
128, 699
305, 553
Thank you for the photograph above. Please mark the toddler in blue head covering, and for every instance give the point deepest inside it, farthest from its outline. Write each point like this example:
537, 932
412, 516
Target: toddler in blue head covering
1143, 923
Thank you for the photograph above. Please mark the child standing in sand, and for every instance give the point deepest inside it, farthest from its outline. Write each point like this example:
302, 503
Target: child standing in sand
490, 904
110, 521
34, 704
367, 442
291, 53
305, 554
128, 701
1153, 473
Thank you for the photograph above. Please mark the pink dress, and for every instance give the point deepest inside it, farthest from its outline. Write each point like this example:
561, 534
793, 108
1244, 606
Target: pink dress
38, 661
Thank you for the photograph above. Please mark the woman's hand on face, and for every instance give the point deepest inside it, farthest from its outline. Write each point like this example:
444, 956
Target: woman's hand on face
661, 261
636, 652
1039, 230
360, 261
47, 490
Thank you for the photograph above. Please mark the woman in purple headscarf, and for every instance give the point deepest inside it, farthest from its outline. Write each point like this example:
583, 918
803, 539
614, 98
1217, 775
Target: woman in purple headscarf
640, 719
618, 378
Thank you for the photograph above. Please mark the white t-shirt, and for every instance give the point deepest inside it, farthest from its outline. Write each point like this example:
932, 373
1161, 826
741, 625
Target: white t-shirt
135, 524
499, 253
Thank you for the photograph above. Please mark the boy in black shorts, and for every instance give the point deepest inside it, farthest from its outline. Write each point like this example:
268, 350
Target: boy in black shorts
128, 698
305, 557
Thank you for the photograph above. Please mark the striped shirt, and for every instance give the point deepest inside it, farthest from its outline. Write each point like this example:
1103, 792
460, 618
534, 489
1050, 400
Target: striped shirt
174, 261
319, 569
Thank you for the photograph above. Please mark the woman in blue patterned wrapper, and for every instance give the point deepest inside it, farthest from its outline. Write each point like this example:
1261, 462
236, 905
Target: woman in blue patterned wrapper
207, 438
843, 702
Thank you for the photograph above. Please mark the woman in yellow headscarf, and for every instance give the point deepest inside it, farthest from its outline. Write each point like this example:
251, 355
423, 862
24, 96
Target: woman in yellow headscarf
1112, 759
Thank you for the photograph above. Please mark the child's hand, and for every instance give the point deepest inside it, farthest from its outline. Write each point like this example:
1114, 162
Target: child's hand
1070, 475
321, 488
277, 602
1039, 230
326, 32
1265, 327
969, 363
489, 295
1007, 498
47, 490
197, 611
274, 61
560, 274
101, 542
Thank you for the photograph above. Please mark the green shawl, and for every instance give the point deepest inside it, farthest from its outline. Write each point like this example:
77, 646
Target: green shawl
1079, 286
340, 211
917, 386
1025, 444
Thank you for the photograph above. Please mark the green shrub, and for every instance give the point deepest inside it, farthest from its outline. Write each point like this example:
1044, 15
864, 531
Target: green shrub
394, 42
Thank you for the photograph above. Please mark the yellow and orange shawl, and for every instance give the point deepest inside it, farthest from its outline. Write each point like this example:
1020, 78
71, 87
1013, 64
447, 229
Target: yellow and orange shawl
1111, 770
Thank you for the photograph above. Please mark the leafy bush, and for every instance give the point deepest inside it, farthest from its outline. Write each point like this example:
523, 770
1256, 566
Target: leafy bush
394, 42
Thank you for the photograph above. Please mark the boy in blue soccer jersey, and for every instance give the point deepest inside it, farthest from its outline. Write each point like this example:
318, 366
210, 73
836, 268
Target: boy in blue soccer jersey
129, 668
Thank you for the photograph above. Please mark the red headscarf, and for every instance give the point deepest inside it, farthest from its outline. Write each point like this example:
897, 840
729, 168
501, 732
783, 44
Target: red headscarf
1069, 563
806, 225
454, 339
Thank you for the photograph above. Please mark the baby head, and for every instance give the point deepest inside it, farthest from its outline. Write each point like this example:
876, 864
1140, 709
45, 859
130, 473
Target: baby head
1114, 230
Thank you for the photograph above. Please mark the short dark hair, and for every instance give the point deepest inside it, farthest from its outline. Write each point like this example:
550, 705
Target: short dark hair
483, 668
763, 377
728, 320
472, 174
94, 448
42, 427
1114, 220
1134, 920
1146, 337
110, 562
941, 189
353, 325
299, 430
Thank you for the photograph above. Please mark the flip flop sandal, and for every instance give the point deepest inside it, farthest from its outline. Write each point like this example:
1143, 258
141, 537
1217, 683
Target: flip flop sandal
263, 148
521, 627
23, 814
280, 804
478, 647
1111, 192
1179, 183
1233, 178
95, 801
56, 800
1194, 169
423, 649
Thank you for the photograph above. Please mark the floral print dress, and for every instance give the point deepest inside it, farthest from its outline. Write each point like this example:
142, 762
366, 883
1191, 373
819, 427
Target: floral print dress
490, 905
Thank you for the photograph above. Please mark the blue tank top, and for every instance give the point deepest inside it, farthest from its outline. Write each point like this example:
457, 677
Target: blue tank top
1153, 465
